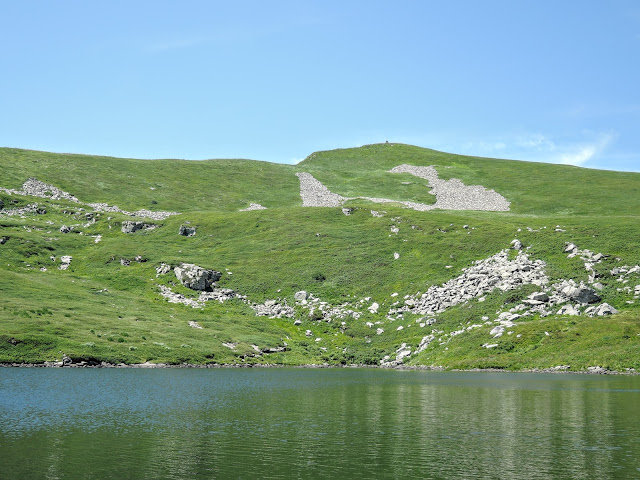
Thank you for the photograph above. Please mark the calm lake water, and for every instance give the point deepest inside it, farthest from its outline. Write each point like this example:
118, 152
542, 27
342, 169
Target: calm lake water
315, 423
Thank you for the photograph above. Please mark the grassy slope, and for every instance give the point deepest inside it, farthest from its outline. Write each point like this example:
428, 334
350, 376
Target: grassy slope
276, 252
179, 185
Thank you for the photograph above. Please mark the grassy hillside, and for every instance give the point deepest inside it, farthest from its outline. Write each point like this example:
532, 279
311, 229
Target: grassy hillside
100, 309
174, 185
532, 188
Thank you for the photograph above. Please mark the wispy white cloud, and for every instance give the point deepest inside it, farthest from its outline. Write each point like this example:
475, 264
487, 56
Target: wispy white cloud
568, 152
587, 149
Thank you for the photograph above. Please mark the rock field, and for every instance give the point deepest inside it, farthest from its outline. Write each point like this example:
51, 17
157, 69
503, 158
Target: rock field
450, 194
453, 194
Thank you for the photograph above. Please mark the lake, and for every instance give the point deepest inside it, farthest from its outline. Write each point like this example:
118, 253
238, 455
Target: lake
315, 423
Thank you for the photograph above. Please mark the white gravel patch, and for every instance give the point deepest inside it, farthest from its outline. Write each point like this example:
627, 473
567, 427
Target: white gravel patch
450, 194
36, 188
253, 206
104, 207
315, 194
453, 194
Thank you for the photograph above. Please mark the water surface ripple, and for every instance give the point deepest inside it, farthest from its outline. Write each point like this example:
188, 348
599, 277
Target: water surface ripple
315, 423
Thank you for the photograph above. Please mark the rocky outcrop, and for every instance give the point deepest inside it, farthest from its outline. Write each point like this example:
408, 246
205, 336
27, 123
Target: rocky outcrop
495, 272
129, 226
321, 310
403, 352
36, 188
65, 261
195, 277
187, 231
143, 213
162, 269
31, 208
600, 310
273, 309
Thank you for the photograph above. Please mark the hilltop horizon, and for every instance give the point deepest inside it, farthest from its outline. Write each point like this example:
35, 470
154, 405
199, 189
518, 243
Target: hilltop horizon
87, 154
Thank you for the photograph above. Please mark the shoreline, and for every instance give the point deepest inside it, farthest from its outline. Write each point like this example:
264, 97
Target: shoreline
431, 368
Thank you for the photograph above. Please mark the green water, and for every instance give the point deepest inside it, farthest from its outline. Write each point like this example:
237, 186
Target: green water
315, 423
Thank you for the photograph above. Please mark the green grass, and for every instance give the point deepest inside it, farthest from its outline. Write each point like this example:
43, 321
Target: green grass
274, 253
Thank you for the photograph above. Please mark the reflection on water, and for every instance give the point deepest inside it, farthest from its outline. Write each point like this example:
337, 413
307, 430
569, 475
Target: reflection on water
295, 423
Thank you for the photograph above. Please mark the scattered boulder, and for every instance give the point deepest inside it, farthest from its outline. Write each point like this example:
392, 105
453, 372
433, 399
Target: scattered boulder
300, 296
497, 331
195, 277
129, 226
273, 309
424, 343
187, 231
601, 310
516, 244
596, 369
568, 310
65, 261
3, 240
347, 211
580, 294
537, 298
162, 269
65, 229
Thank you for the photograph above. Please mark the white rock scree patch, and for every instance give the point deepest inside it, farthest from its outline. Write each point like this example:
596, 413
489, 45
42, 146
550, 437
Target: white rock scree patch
450, 194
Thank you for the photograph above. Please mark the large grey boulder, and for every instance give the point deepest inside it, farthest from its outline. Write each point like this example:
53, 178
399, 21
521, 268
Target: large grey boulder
580, 294
187, 231
129, 226
195, 277
601, 310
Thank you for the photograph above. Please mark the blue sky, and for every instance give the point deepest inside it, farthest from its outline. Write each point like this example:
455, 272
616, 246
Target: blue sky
532, 80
